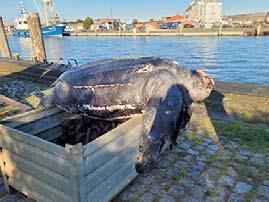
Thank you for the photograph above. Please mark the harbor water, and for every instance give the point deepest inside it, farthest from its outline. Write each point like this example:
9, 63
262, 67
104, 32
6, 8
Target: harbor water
235, 59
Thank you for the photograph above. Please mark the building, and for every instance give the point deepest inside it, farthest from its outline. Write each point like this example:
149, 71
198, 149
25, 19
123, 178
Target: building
75, 26
109, 24
247, 17
207, 12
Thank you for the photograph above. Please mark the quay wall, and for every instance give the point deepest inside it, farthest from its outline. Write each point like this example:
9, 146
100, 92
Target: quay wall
177, 32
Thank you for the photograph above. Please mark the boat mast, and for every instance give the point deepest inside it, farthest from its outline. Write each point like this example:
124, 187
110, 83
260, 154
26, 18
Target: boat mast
50, 16
23, 10
39, 10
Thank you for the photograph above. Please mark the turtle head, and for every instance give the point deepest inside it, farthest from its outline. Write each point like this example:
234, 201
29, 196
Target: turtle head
60, 94
201, 86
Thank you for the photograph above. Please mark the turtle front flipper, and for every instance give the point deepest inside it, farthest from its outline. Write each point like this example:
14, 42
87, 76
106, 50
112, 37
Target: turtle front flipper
159, 125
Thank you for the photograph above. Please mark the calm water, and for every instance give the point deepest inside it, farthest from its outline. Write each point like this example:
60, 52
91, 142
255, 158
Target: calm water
239, 59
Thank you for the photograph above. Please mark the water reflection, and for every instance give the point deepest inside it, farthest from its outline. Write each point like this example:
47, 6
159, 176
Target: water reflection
240, 59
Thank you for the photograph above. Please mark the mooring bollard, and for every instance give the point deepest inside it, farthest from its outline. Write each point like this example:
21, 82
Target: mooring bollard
259, 29
181, 29
220, 30
33, 21
4, 47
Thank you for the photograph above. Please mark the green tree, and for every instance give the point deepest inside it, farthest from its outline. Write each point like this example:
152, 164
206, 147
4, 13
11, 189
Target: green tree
87, 23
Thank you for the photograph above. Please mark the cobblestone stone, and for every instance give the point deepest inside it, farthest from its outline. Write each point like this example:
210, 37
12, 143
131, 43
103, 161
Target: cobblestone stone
227, 180
242, 187
264, 191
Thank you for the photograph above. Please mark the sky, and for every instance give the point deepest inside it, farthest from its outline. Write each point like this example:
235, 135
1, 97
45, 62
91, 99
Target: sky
126, 9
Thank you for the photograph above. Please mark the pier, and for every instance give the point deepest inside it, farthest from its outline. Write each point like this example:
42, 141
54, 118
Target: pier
218, 31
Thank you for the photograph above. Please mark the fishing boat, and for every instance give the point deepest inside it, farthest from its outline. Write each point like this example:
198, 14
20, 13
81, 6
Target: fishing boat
51, 25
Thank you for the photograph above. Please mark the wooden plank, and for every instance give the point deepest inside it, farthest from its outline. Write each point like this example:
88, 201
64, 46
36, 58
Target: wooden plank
4, 46
113, 183
28, 191
21, 137
98, 158
51, 134
77, 175
4, 176
110, 167
31, 183
111, 135
14, 103
49, 177
30, 116
120, 186
34, 24
36, 155
43, 124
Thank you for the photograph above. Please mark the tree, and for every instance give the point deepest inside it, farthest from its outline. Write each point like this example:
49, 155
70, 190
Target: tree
87, 23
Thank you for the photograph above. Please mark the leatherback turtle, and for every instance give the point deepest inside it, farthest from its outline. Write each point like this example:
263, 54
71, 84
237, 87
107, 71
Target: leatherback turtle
115, 88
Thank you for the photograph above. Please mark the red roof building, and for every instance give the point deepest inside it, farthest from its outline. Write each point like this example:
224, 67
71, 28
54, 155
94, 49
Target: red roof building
175, 18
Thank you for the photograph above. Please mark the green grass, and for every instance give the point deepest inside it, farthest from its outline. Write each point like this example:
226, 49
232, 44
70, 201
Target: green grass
182, 154
253, 136
179, 176
210, 193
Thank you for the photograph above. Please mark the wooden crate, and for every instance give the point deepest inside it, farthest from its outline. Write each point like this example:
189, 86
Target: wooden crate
45, 171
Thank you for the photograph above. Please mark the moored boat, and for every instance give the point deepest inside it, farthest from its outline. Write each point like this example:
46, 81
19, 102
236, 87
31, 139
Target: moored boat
52, 26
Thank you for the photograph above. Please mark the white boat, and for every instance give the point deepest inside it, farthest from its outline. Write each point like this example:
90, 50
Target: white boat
51, 25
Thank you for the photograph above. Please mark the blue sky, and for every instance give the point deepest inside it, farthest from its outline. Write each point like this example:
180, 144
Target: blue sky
127, 9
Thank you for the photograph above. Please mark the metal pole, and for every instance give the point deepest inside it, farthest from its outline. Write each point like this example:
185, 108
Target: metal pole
33, 21
4, 47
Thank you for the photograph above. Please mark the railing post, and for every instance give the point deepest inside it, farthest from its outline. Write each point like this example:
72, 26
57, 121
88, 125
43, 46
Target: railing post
4, 47
33, 21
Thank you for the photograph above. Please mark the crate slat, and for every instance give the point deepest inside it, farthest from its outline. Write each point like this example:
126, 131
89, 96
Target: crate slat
50, 134
110, 167
28, 191
46, 175
111, 135
36, 155
120, 186
44, 124
31, 183
28, 117
32, 140
107, 152
113, 182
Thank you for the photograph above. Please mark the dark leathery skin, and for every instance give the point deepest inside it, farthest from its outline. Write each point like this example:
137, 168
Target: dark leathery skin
108, 89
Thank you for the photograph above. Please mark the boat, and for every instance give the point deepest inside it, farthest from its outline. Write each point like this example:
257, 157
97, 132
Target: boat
50, 27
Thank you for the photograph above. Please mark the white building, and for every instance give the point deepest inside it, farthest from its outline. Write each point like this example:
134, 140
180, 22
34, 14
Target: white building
207, 12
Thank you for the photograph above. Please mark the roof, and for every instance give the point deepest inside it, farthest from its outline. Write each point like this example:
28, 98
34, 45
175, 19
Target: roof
175, 18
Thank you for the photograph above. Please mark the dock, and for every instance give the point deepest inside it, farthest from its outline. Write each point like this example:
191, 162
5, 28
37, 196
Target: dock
264, 31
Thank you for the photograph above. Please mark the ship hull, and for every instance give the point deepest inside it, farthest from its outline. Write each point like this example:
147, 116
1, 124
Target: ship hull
51, 30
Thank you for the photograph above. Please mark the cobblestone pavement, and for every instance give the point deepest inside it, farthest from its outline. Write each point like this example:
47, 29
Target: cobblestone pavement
21, 90
204, 170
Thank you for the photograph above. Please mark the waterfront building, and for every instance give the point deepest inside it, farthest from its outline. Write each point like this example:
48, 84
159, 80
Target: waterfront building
109, 24
206, 12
